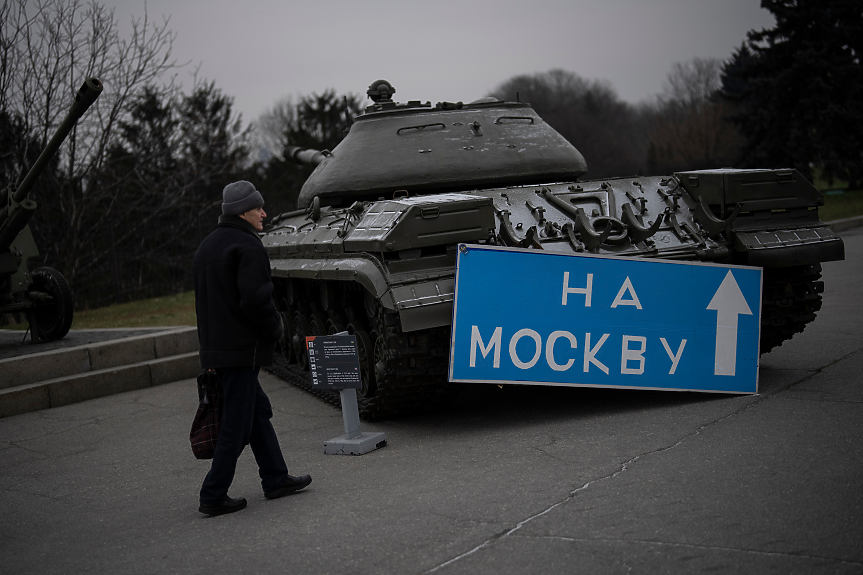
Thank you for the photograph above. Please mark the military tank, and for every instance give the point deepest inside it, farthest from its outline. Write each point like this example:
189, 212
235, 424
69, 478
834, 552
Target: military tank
372, 248
43, 294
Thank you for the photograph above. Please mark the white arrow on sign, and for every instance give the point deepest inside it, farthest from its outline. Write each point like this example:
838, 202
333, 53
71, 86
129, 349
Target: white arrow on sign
728, 301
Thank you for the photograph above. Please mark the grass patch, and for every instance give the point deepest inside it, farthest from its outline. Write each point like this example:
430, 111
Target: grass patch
162, 311
847, 204
839, 201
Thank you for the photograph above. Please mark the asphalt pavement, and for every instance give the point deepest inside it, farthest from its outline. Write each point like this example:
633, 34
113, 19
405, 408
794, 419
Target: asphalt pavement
513, 480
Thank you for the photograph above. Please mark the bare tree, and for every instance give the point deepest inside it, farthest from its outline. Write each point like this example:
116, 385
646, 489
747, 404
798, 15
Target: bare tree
688, 125
123, 202
48, 49
692, 83
588, 113
272, 125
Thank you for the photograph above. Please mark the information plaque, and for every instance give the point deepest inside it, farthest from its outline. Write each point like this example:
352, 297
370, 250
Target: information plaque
334, 362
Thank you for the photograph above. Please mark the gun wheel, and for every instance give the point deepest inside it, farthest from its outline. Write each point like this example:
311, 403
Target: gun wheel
51, 318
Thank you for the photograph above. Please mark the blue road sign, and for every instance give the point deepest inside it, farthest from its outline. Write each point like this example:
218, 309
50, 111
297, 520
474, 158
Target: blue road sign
533, 317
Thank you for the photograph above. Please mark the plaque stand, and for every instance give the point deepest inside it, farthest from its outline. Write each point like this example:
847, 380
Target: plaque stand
354, 441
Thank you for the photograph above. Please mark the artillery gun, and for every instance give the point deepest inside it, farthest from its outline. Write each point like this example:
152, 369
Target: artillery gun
42, 294
372, 248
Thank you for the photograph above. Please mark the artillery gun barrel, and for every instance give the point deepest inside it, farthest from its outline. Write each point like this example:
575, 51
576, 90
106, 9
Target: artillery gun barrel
305, 156
15, 215
85, 97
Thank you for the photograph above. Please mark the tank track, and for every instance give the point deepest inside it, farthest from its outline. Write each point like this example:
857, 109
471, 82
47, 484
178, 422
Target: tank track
790, 299
397, 401
408, 371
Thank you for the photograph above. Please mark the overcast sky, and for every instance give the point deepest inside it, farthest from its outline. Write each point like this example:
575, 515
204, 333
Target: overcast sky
259, 50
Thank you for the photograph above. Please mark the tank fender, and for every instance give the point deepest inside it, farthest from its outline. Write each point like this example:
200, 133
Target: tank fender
360, 268
789, 247
425, 304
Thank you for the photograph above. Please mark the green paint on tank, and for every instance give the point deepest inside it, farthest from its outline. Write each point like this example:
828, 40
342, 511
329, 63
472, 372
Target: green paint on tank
448, 147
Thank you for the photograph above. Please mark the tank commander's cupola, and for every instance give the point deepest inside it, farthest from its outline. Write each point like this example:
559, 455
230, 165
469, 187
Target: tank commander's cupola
381, 92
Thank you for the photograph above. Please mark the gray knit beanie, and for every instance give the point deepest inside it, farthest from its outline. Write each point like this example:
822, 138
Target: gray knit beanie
240, 197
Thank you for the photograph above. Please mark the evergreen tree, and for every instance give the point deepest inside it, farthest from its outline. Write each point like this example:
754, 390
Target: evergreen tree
317, 121
798, 89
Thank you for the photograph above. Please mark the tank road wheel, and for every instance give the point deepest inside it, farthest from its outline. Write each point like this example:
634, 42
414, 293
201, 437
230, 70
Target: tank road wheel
317, 325
365, 350
286, 344
328, 294
300, 327
291, 292
381, 355
52, 316
370, 304
334, 327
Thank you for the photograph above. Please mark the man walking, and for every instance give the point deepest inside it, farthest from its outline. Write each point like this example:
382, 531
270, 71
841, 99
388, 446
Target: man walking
238, 327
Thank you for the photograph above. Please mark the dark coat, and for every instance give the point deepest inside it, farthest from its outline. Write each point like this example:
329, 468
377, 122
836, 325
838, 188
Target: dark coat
238, 324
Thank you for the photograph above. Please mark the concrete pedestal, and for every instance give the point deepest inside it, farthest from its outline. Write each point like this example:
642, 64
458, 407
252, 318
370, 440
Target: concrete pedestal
354, 441
365, 442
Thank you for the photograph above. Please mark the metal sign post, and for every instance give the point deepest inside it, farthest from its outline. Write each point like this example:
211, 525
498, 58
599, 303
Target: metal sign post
534, 317
335, 364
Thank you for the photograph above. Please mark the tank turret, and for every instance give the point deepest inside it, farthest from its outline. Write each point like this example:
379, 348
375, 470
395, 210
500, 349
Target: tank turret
372, 248
43, 295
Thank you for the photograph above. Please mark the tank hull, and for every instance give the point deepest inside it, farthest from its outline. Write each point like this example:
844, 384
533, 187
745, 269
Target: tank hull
385, 270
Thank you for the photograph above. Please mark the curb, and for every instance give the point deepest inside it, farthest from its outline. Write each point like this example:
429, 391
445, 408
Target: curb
100, 383
845, 224
41, 366
63, 376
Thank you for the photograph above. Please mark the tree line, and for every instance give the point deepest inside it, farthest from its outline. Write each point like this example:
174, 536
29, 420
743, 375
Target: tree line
138, 184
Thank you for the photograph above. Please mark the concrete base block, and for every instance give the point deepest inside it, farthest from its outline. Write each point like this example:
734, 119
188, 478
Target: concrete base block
69, 375
24, 399
367, 441
98, 384
41, 366
177, 342
175, 368
122, 352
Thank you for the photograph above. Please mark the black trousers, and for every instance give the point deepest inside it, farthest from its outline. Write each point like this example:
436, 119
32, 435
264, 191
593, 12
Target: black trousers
246, 418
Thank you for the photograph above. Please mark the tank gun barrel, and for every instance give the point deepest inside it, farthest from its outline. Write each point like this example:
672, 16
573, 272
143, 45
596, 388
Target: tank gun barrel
305, 156
85, 97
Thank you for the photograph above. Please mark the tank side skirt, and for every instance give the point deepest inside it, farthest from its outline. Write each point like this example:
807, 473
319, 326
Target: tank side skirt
363, 269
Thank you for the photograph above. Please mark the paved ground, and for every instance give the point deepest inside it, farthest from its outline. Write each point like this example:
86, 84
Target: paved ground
519, 480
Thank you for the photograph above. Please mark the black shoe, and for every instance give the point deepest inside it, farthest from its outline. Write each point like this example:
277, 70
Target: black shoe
288, 486
226, 505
